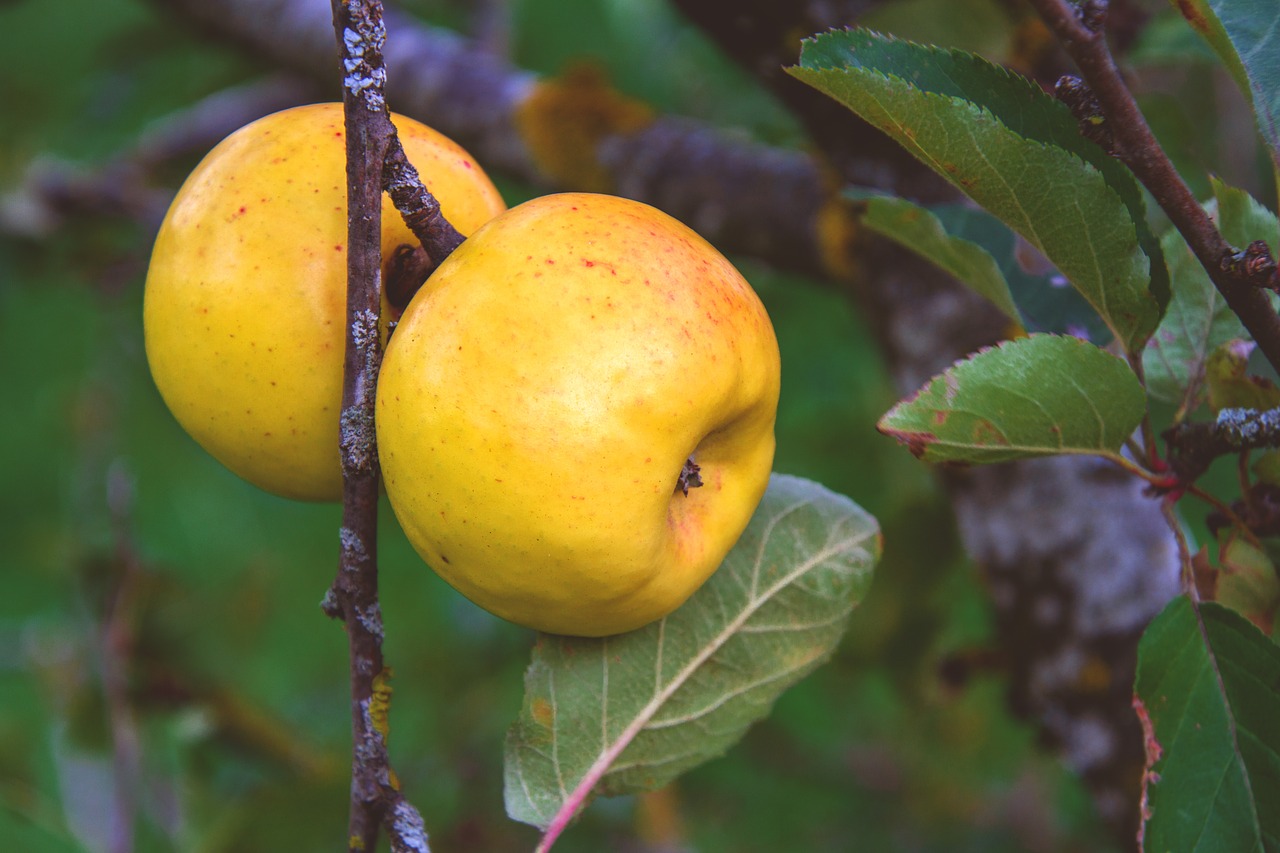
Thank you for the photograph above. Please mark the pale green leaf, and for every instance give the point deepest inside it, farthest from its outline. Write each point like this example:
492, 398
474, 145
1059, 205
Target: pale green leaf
1015, 151
1207, 696
1037, 396
921, 231
1246, 36
981, 251
1229, 384
629, 713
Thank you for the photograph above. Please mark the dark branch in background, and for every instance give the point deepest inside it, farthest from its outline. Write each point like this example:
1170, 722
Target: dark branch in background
1081, 31
747, 198
370, 136
54, 191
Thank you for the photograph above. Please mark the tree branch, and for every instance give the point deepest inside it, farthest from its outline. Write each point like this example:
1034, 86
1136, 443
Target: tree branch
1194, 446
375, 796
1081, 31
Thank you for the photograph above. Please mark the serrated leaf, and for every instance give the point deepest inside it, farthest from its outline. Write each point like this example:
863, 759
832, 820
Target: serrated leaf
1015, 151
1206, 693
1198, 320
631, 712
1037, 396
1246, 36
981, 251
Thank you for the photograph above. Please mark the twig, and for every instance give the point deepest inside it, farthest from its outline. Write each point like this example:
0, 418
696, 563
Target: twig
1193, 447
375, 797
1080, 30
52, 191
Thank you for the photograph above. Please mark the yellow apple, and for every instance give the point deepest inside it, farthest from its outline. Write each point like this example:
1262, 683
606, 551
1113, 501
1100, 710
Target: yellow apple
542, 395
245, 302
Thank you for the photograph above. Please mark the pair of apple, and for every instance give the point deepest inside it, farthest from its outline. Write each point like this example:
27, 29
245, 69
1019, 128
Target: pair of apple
541, 397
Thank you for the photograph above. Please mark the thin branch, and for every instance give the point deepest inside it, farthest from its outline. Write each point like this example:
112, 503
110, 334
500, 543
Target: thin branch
1194, 446
1080, 30
370, 136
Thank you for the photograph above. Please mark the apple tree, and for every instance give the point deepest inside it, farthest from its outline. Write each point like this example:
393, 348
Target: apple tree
1001, 235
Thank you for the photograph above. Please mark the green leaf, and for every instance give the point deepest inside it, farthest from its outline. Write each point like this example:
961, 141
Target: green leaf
1242, 218
631, 712
1206, 693
1198, 320
1229, 384
1246, 36
1037, 396
1246, 582
921, 231
1014, 150
981, 251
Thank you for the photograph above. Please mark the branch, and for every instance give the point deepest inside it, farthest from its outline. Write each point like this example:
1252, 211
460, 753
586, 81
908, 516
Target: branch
1194, 446
1080, 30
53, 191
370, 140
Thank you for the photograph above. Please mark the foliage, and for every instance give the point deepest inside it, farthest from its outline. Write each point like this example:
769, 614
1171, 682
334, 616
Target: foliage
1204, 692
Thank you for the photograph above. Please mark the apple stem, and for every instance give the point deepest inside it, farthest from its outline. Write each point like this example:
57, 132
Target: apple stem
690, 477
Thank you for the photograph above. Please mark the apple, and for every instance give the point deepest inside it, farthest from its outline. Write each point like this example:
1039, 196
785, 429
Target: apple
245, 301
550, 399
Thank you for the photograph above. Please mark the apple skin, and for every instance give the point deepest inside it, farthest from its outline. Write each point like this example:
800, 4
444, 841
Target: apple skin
541, 395
245, 301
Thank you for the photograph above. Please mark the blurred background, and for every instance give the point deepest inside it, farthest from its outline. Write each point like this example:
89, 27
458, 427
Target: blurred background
165, 668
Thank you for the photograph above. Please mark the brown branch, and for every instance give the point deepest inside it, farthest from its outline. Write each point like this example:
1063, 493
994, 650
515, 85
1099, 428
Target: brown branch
375, 797
1194, 446
1082, 34
53, 192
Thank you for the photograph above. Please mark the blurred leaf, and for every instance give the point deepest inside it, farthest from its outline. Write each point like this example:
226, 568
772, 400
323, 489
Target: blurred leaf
1206, 695
631, 712
1037, 396
1014, 150
1242, 33
977, 26
1247, 583
1229, 384
1198, 320
981, 251
921, 231
1266, 467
